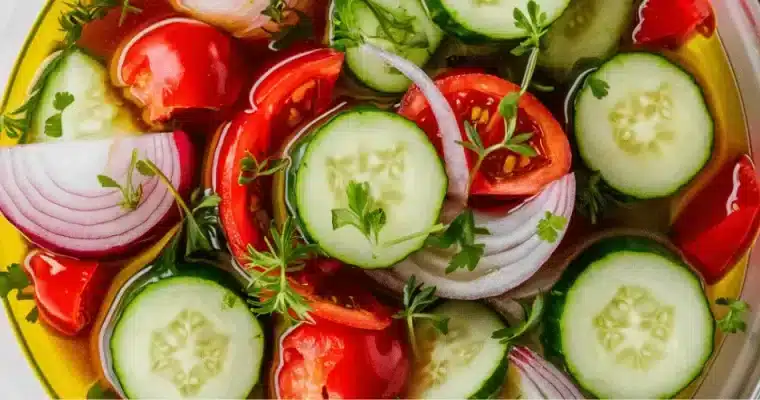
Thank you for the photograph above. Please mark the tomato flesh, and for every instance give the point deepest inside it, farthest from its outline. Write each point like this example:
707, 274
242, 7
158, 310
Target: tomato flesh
330, 361
475, 98
719, 225
673, 22
67, 291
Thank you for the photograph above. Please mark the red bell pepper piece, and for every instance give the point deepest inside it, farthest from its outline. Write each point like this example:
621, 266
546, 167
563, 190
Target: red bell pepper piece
672, 22
67, 291
721, 223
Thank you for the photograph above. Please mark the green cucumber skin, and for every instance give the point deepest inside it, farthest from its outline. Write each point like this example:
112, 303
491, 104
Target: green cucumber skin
492, 387
441, 17
551, 336
644, 196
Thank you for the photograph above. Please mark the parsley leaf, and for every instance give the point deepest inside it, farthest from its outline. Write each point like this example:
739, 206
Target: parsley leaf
269, 274
14, 278
550, 226
131, 195
512, 333
594, 197
363, 212
396, 25
63, 100
461, 232
275, 10
289, 34
54, 124
599, 87
416, 300
733, 322
251, 169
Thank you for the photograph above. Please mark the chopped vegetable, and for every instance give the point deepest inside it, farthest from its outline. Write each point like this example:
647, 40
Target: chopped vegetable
671, 22
540, 379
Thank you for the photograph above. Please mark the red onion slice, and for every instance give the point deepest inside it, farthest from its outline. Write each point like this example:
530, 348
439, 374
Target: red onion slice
508, 261
550, 381
454, 156
51, 193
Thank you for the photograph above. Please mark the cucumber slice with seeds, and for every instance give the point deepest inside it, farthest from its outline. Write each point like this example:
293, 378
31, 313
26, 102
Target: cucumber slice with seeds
465, 363
630, 320
587, 30
187, 336
405, 176
651, 133
485, 20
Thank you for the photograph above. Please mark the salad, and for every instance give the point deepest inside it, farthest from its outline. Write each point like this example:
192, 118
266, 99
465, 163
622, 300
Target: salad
381, 198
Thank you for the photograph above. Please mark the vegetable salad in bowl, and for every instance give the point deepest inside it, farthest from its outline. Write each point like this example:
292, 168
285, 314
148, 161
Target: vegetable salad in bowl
375, 198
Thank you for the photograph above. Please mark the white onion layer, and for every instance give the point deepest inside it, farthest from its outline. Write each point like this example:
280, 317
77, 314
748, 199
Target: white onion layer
509, 260
52, 194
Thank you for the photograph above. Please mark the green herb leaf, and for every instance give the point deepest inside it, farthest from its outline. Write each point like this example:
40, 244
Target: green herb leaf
523, 150
82, 12
509, 334
363, 213
229, 300
508, 105
269, 274
144, 168
416, 299
733, 322
550, 226
594, 198
63, 100
14, 278
396, 25
275, 10
33, 315
462, 232
251, 169
54, 126
599, 87
108, 182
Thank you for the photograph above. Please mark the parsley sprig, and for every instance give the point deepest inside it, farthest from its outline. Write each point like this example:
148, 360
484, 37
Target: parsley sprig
16, 123
269, 271
595, 197
394, 25
535, 26
733, 322
416, 300
131, 194
550, 226
54, 124
14, 278
363, 213
512, 333
461, 232
194, 219
251, 169
599, 87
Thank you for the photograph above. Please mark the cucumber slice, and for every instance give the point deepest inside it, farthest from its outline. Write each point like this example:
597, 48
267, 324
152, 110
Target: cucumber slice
652, 132
405, 176
483, 20
187, 336
630, 320
417, 45
97, 111
587, 30
465, 363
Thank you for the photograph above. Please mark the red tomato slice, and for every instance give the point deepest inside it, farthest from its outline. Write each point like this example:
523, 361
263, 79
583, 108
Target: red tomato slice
331, 361
292, 92
178, 64
475, 98
67, 291
717, 228
673, 22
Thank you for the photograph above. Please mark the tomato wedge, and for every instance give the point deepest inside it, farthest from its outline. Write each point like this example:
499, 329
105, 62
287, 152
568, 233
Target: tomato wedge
672, 22
718, 226
475, 98
290, 93
330, 361
67, 291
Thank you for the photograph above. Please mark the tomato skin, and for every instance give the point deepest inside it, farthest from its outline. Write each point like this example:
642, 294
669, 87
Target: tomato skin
178, 64
717, 228
67, 291
556, 149
341, 362
672, 22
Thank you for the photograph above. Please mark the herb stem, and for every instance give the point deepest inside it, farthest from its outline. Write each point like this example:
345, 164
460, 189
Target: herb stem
530, 69
434, 229
166, 181
412, 336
